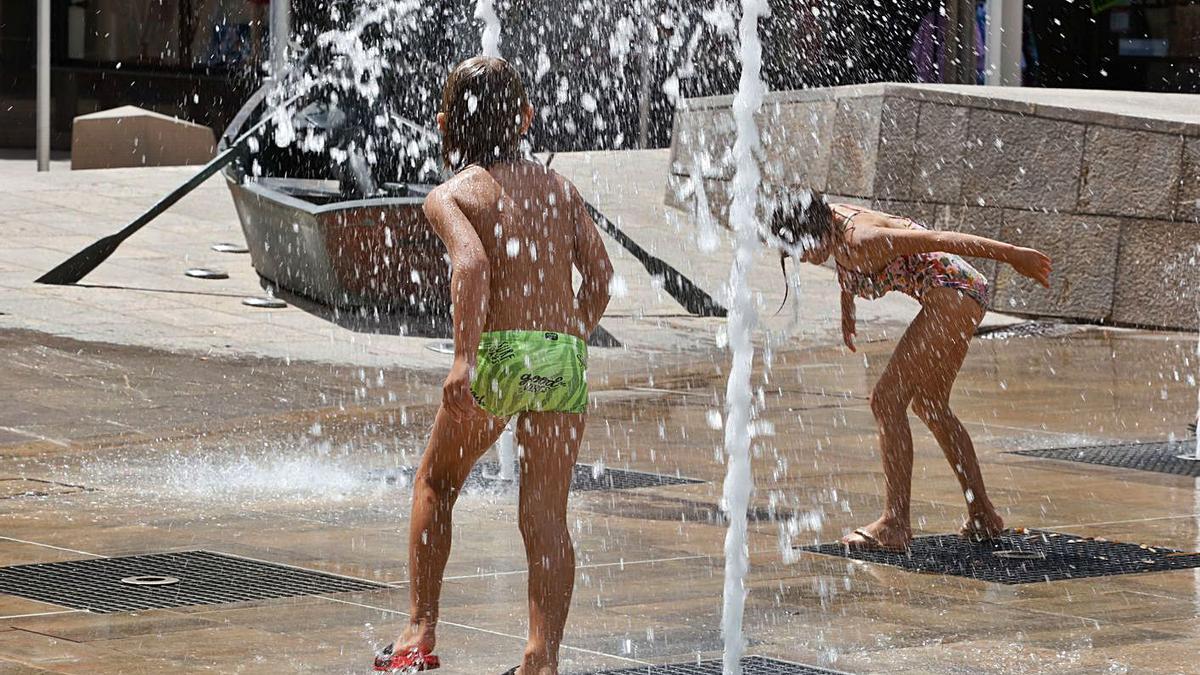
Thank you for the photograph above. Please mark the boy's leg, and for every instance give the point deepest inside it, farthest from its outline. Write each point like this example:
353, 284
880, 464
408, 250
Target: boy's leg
960, 317
550, 445
454, 446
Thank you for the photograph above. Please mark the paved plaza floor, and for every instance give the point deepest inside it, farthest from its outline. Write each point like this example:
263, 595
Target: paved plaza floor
148, 412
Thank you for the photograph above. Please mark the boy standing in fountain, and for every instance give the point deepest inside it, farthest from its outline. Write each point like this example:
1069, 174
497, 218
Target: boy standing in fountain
514, 230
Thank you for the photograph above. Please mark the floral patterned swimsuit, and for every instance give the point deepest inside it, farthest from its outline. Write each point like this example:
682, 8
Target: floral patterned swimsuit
915, 274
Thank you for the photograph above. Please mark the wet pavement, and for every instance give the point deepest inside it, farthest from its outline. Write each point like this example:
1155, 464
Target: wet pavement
122, 446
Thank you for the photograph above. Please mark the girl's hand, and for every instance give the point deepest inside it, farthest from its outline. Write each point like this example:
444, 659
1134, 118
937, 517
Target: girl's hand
848, 331
456, 391
1033, 264
848, 322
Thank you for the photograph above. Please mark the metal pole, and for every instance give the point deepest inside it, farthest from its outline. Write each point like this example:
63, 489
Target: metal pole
966, 42
646, 59
993, 39
1014, 42
948, 58
1004, 40
281, 33
43, 85
958, 49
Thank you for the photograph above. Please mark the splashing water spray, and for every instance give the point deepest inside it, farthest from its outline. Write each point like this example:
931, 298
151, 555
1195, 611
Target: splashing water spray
739, 481
506, 446
485, 11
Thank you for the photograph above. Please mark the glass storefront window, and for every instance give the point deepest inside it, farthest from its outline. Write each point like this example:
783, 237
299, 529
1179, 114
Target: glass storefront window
165, 33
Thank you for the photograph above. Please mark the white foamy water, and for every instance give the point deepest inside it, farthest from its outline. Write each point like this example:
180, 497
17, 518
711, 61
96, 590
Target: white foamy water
489, 41
707, 237
243, 477
739, 482
485, 11
264, 477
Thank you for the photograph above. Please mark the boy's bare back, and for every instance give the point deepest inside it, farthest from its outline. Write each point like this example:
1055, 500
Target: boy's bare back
533, 228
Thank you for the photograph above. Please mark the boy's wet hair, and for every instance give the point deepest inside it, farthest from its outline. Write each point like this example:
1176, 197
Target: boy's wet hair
483, 101
800, 220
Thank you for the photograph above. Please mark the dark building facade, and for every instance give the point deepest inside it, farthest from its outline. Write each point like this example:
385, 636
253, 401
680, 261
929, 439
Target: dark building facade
602, 73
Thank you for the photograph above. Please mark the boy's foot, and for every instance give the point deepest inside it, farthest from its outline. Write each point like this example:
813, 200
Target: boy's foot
982, 526
405, 661
880, 535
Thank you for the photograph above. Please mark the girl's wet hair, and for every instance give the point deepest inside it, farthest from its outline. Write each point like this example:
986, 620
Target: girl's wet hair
800, 220
484, 102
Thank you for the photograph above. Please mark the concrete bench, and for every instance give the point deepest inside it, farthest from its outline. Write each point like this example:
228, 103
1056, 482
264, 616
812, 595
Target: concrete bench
129, 136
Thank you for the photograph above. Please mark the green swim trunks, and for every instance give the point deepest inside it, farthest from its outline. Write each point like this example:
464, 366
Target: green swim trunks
527, 370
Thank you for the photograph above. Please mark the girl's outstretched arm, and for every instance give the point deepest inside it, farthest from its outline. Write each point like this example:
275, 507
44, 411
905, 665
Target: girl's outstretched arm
469, 291
896, 242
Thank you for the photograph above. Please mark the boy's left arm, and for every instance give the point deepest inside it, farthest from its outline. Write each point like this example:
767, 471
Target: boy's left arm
1029, 262
591, 258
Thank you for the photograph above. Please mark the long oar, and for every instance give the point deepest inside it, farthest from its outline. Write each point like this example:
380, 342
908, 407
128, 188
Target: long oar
693, 298
81, 264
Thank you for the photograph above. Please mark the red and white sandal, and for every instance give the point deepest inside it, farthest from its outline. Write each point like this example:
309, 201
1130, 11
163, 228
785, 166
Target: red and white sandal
410, 661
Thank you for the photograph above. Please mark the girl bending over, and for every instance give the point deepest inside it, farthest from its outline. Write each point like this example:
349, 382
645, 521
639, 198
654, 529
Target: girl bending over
877, 253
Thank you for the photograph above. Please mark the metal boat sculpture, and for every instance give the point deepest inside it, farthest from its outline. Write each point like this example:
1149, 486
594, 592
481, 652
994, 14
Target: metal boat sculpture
346, 234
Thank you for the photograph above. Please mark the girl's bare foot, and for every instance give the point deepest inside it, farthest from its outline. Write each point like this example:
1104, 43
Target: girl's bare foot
982, 524
418, 636
535, 662
884, 534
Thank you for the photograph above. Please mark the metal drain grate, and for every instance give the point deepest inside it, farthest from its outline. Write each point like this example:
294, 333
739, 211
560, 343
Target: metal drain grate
484, 475
132, 583
1051, 329
1023, 557
751, 665
1159, 457
587, 477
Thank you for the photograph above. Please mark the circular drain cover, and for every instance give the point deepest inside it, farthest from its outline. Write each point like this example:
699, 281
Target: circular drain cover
150, 580
265, 301
206, 273
441, 346
1020, 555
227, 247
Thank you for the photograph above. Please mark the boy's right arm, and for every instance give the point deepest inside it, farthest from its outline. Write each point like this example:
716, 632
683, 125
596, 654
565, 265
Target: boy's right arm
469, 291
591, 259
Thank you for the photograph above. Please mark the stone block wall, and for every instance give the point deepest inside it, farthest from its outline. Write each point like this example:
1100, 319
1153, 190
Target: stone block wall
1107, 183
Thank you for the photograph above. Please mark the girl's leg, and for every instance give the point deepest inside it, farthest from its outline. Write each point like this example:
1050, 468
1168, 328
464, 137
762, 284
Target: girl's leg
960, 317
550, 445
914, 358
454, 446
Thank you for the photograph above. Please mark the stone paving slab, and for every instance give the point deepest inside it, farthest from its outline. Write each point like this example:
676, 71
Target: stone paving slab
197, 424
286, 481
